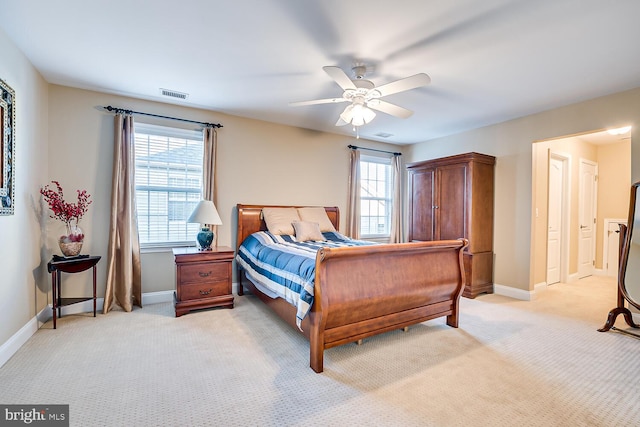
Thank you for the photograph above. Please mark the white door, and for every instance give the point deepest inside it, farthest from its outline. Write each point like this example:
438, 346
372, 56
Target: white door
554, 239
587, 197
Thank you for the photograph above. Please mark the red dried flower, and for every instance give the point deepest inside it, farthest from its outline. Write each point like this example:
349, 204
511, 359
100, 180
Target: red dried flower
65, 212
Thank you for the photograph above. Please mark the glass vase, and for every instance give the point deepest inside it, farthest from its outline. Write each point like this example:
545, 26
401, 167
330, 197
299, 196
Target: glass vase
71, 240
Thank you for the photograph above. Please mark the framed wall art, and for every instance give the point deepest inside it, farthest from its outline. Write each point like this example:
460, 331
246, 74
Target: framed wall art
7, 148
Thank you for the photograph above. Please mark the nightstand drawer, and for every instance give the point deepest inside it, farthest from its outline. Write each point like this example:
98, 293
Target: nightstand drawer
193, 291
204, 272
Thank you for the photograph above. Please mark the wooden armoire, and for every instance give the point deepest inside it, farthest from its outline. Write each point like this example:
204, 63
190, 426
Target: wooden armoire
450, 198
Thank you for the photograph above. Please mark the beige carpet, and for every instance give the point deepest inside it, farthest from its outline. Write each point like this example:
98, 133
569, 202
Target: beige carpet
511, 363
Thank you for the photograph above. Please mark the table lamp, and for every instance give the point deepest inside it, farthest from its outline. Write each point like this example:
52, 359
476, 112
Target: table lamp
206, 214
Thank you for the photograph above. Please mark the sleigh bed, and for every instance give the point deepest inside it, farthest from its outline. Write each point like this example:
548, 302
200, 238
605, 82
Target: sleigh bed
360, 291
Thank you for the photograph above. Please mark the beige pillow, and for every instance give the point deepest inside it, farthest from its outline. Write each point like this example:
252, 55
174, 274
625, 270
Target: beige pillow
319, 215
279, 220
306, 230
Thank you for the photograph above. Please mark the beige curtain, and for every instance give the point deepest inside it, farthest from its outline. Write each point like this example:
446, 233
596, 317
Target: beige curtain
209, 187
353, 207
124, 283
396, 207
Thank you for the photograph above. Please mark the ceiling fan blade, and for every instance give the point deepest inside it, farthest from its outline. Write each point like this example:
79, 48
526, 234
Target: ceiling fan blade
391, 109
340, 77
401, 85
317, 101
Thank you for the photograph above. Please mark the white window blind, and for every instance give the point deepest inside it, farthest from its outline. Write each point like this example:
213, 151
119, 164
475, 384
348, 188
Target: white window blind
376, 196
168, 183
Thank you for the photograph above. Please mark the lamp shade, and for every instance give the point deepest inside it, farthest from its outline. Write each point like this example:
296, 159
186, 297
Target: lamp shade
205, 213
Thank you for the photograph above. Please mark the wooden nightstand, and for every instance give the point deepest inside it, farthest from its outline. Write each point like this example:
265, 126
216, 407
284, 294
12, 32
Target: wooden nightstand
203, 278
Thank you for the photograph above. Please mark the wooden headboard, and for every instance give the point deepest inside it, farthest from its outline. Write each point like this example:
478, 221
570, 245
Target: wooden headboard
250, 219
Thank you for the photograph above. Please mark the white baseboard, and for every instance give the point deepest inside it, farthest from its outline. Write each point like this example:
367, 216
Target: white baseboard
571, 278
17, 340
157, 297
515, 293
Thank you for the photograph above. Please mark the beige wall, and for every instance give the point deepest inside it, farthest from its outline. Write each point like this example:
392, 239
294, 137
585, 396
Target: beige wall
23, 286
258, 163
511, 143
614, 178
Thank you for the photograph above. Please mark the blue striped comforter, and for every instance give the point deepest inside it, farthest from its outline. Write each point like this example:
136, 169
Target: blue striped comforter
285, 266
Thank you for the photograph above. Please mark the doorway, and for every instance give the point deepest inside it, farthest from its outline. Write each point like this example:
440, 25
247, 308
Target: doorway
609, 160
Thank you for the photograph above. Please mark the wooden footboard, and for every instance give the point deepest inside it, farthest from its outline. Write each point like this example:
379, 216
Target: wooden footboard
367, 290
364, 291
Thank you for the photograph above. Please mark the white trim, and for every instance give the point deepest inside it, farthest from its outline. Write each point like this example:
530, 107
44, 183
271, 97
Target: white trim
155, 249
77, 308
565, 239
512, 292
17, 340
13, 344
157, 297
605, 241
540, 287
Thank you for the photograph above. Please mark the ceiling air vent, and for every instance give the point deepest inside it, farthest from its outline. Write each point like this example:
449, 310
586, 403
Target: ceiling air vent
384, 134
173, 93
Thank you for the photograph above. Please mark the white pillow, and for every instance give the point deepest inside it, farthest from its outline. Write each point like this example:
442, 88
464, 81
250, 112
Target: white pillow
279, 220
318, 215
306, 231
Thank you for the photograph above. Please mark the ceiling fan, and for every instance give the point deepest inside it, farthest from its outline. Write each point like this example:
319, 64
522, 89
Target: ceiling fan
364, 96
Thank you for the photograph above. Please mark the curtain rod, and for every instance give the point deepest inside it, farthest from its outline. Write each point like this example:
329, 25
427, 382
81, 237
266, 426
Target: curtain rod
353, 147
123, 110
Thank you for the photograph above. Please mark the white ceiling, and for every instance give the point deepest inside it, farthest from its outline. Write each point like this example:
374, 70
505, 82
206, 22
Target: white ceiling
489, 60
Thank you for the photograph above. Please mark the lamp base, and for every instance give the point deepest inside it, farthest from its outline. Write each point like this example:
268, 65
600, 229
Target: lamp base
204, 239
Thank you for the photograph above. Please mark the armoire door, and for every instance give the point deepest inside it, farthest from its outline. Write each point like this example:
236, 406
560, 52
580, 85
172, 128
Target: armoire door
450, 198
421, 210
451, 203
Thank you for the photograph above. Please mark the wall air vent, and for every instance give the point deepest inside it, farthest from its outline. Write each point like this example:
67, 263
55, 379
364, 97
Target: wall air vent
173, 93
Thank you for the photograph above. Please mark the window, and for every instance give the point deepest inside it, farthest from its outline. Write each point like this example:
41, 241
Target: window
376, 196
168, 184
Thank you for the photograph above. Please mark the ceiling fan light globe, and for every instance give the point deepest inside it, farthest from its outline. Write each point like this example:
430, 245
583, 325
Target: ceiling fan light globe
357, 117
357, 121
347, 114
368, 114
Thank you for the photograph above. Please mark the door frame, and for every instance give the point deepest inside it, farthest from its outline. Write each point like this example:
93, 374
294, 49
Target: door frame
605, 241
566, 211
